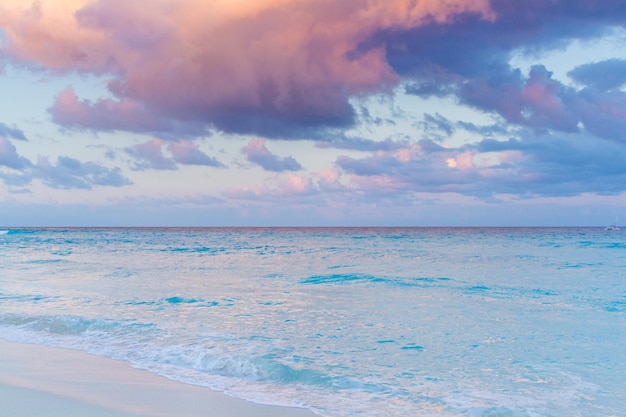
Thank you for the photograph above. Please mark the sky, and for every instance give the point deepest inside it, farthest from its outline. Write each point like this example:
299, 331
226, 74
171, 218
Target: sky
312, 112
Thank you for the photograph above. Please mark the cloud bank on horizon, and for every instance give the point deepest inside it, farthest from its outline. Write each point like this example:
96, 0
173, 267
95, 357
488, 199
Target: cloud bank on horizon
182, 72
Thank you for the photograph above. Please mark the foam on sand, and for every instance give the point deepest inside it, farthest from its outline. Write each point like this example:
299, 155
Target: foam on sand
42, 380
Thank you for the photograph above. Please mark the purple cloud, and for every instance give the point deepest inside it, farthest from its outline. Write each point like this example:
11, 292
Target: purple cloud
264, 76
11, 132
70, 173
603, 75
479, 75
548, 164
258, 154
370, 166
119, 115
541, 102
9, 156
149, 155
267, 77
360, 144
187, 153
437, 126
495, 129
67, 173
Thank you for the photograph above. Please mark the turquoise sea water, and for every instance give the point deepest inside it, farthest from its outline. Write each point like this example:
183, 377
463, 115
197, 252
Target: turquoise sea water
346, 322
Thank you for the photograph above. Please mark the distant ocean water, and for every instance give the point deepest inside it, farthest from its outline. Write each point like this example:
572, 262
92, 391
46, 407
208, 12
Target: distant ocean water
494, 322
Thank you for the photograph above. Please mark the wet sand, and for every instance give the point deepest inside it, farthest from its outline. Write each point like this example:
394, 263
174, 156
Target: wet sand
40, 380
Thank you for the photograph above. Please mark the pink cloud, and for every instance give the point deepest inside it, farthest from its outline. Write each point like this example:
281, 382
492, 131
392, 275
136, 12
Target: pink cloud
269, 65
294, 184
110, 115
542, 95
69, 110
463, 161
278, 186
248, 193
330, 180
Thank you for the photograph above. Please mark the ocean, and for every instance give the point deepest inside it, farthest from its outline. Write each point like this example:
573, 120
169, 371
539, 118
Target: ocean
376, 322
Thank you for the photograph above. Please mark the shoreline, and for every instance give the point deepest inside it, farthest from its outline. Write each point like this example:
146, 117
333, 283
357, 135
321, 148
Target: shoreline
57, 382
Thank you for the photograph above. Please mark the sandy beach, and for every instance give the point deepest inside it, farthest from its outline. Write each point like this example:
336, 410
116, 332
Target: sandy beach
40, 380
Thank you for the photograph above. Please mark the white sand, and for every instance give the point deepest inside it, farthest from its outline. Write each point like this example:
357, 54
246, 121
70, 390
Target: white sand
45, 381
